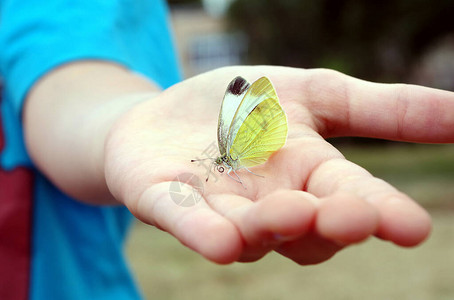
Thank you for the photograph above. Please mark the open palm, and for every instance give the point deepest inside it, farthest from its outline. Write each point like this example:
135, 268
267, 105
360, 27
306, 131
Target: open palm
311, 201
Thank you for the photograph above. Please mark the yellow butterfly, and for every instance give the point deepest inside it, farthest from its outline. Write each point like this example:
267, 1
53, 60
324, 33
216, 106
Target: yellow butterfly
251, 126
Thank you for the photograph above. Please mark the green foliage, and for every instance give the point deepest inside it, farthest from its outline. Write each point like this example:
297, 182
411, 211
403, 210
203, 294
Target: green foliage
375, 40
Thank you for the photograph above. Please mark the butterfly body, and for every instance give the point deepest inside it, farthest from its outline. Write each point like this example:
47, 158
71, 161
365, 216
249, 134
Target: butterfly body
228, 161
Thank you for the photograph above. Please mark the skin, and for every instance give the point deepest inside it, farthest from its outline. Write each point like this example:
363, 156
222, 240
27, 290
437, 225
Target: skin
114, 137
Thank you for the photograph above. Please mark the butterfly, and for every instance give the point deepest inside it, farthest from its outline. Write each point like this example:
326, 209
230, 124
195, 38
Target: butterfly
251, 127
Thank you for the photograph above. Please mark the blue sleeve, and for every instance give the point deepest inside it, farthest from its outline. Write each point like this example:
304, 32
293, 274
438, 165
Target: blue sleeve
36, 36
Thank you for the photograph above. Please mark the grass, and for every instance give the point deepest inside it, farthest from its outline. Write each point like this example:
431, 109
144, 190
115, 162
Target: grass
371, 270
425, 172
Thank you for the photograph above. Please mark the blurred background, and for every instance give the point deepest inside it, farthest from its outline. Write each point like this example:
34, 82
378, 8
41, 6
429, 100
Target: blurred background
410, 41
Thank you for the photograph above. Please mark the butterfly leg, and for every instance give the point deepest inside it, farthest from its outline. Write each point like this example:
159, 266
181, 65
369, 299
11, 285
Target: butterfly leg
237, 179
254, 173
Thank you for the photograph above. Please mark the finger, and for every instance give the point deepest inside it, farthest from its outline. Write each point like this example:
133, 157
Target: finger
400, 219
346, 219
278, 217
197, 226
344, 105
309, 250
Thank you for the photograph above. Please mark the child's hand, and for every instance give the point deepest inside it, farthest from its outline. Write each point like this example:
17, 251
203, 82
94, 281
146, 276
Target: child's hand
311, 202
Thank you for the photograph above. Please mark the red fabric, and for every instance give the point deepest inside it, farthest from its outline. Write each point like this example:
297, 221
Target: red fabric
15, 230
2, 141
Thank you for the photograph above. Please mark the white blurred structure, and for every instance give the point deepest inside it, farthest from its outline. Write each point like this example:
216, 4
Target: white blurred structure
436, 68
216, 8
202, 39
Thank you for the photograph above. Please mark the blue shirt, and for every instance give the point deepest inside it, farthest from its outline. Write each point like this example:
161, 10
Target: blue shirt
69, 249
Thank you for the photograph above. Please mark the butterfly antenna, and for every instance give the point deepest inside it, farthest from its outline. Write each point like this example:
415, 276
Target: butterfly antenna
211, 166
200, 159
209, 171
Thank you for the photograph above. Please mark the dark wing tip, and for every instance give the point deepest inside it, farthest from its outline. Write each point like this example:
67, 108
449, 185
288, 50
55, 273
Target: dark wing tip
238, 85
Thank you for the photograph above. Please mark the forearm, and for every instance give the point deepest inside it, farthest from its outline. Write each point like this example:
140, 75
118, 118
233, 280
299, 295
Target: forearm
67, 116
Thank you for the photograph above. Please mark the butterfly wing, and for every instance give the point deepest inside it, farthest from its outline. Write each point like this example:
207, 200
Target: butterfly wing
259, 91
264, 129
234, 94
